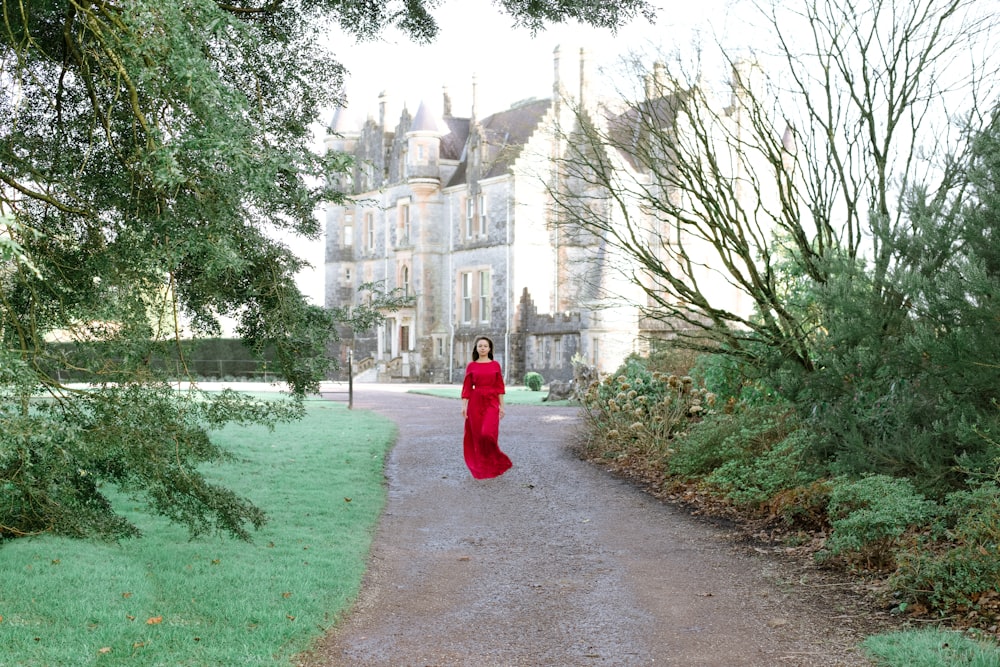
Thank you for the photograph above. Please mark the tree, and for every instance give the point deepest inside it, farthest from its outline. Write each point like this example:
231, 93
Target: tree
830, 189
148, 151
800, 172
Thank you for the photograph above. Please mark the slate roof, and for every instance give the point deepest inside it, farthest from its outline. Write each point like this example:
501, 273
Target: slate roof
453, 143
505, 134
628, 131
427, 121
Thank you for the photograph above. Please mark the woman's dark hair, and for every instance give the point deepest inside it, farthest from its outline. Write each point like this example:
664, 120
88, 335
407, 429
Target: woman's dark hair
475, 354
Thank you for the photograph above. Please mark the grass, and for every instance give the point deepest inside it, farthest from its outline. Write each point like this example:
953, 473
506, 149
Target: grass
514, 395
930, 648
166, 600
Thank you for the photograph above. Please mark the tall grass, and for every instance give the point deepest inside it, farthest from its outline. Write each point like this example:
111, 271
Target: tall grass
166, 600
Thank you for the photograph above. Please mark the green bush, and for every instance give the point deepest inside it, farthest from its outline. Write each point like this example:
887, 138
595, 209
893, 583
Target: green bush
634, 414
959, 560
780, 464
731, 379
870, 516
534, 381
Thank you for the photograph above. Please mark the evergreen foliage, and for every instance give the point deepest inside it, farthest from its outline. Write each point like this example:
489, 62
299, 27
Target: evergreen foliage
534, 381
151, 153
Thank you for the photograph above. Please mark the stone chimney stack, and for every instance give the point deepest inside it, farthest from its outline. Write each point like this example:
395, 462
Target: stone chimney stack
383, 101
584, 78
445, 102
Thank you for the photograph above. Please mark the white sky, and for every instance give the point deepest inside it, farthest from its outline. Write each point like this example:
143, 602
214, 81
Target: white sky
477, 40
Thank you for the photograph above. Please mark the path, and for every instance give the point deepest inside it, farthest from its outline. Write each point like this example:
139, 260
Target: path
558, 564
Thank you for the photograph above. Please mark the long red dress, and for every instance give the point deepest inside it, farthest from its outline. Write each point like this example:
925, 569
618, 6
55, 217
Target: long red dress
483, 386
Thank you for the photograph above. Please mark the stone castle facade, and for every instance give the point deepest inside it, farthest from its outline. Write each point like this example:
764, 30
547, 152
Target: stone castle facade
455, 211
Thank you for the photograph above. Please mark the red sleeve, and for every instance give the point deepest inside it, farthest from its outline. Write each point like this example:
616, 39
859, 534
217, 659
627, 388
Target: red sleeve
501, 389
467, 385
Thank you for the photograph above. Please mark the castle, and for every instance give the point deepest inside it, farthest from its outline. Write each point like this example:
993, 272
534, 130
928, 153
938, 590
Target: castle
456, 212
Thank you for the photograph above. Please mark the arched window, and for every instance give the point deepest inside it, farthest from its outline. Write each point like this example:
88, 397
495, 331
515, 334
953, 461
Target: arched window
404, 280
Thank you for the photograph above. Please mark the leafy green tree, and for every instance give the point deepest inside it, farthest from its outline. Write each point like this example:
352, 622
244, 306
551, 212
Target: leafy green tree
150, 153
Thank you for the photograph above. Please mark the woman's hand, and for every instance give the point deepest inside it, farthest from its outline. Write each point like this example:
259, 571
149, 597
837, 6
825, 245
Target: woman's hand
502, 412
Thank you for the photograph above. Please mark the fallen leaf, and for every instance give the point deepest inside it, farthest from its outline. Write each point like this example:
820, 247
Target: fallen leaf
216, 561
347, 500
55, 561
154, 620
130, 617
286, 594
138, 644
104, 649
126, 595
289, 617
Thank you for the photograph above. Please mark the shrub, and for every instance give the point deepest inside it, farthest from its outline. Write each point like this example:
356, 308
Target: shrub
666, 357
534, 381
959, 561
634, 414
869, 517
774, 460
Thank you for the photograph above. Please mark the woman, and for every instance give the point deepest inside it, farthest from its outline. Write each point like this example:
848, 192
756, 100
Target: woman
482, 408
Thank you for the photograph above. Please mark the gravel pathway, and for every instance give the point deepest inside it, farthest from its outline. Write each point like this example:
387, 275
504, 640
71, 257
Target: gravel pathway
556, 563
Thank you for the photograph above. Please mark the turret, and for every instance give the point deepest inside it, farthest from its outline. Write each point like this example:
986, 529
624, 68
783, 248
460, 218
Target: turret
423, 145
344, 133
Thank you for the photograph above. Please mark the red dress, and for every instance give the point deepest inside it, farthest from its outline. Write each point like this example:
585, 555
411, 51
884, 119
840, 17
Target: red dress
483, 386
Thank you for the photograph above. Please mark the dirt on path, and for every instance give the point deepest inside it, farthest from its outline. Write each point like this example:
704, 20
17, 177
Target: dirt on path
557, 563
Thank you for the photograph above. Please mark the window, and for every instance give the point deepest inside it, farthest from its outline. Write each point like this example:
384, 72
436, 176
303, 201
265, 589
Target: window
348, 235
370, 230
421, 154
347, 275
404, 224
440, 347
470, 216
466, 292
483, 222
484, 296
404, 280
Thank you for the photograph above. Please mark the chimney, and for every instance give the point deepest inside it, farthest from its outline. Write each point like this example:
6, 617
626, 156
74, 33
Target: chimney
445, 102
473, 97
383, 100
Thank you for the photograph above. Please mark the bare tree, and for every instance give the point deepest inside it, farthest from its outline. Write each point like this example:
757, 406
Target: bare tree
717, 206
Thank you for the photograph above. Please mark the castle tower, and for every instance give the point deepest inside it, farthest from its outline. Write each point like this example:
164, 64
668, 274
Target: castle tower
423, 150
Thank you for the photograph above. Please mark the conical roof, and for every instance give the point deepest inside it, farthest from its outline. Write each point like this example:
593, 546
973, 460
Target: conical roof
428, 121
342, 122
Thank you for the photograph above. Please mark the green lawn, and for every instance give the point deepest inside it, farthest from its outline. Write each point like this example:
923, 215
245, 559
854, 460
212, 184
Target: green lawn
930, 647
514, 395
166, 600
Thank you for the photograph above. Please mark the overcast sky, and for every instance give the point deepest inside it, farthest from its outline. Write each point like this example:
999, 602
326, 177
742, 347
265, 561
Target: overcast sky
477, 40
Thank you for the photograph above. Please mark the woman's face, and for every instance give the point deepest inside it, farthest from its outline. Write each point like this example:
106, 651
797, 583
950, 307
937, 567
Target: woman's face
483, 348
